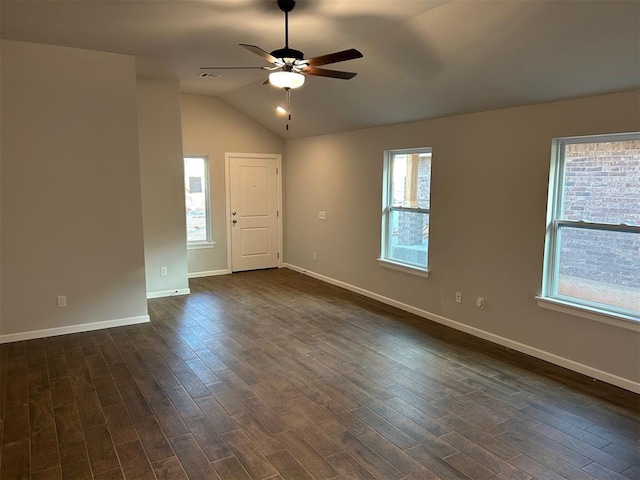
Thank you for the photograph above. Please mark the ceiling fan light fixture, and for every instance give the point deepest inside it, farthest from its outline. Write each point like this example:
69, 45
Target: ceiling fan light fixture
286, 79
281, 110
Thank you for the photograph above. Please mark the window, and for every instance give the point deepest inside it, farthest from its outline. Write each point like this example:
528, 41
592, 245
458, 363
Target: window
196, 188
592, 254
405, 219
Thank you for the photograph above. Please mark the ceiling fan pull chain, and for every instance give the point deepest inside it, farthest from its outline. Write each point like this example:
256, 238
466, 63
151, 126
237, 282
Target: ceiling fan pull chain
287, 94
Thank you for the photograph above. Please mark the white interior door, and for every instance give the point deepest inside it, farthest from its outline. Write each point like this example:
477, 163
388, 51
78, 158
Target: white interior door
254, 211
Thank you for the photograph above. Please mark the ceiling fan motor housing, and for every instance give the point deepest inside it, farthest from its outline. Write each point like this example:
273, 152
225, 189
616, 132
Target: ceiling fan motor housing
288, 53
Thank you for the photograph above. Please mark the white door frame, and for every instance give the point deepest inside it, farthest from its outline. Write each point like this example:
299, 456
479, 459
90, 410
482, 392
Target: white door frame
227, 185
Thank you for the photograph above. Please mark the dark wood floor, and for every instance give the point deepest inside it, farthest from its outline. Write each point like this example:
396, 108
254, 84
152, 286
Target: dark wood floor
272, 374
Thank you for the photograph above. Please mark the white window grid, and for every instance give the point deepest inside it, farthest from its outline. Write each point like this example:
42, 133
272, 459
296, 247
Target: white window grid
388, 208
208, 242
555, 223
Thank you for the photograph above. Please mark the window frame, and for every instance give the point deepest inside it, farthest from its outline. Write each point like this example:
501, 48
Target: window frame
208, 243
388, 208
549, 298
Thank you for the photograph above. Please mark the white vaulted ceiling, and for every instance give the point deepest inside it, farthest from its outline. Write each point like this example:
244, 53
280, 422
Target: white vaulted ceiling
422, 58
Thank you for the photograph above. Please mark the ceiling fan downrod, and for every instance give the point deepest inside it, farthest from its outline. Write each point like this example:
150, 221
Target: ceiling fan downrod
286, 6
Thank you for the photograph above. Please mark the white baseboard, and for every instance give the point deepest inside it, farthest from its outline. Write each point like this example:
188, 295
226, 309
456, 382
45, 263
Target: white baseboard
168, 293
209, 273
83, 327
505, 342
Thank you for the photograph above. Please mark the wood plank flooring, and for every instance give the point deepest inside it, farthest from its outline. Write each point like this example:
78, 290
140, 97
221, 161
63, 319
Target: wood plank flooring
274, 375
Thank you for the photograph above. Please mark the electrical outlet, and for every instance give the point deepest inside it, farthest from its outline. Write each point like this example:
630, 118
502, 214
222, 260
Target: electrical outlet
315, 257
62, 300
458, 297
480, 303
322, 215
163, 271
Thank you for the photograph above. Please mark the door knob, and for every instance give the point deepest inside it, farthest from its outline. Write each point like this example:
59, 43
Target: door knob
233, 213
235, 221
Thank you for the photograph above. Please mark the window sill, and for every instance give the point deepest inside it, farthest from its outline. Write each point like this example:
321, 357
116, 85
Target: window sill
200, 245
610, 318
420, 272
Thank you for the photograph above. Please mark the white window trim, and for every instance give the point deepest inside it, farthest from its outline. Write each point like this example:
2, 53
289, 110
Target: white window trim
590, 313
404, 267
384, 260
200, 245
569, 305
208, 243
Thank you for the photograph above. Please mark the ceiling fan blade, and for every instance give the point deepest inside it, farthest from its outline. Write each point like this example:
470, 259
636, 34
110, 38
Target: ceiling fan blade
235, 68
335, 57
323, 72
260, 52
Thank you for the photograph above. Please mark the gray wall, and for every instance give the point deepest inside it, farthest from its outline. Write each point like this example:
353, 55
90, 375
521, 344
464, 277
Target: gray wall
161, 170
211, 127
489, 193
71, 207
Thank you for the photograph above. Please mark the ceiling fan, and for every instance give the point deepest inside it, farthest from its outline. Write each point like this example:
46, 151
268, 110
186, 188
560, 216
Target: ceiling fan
288, 66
